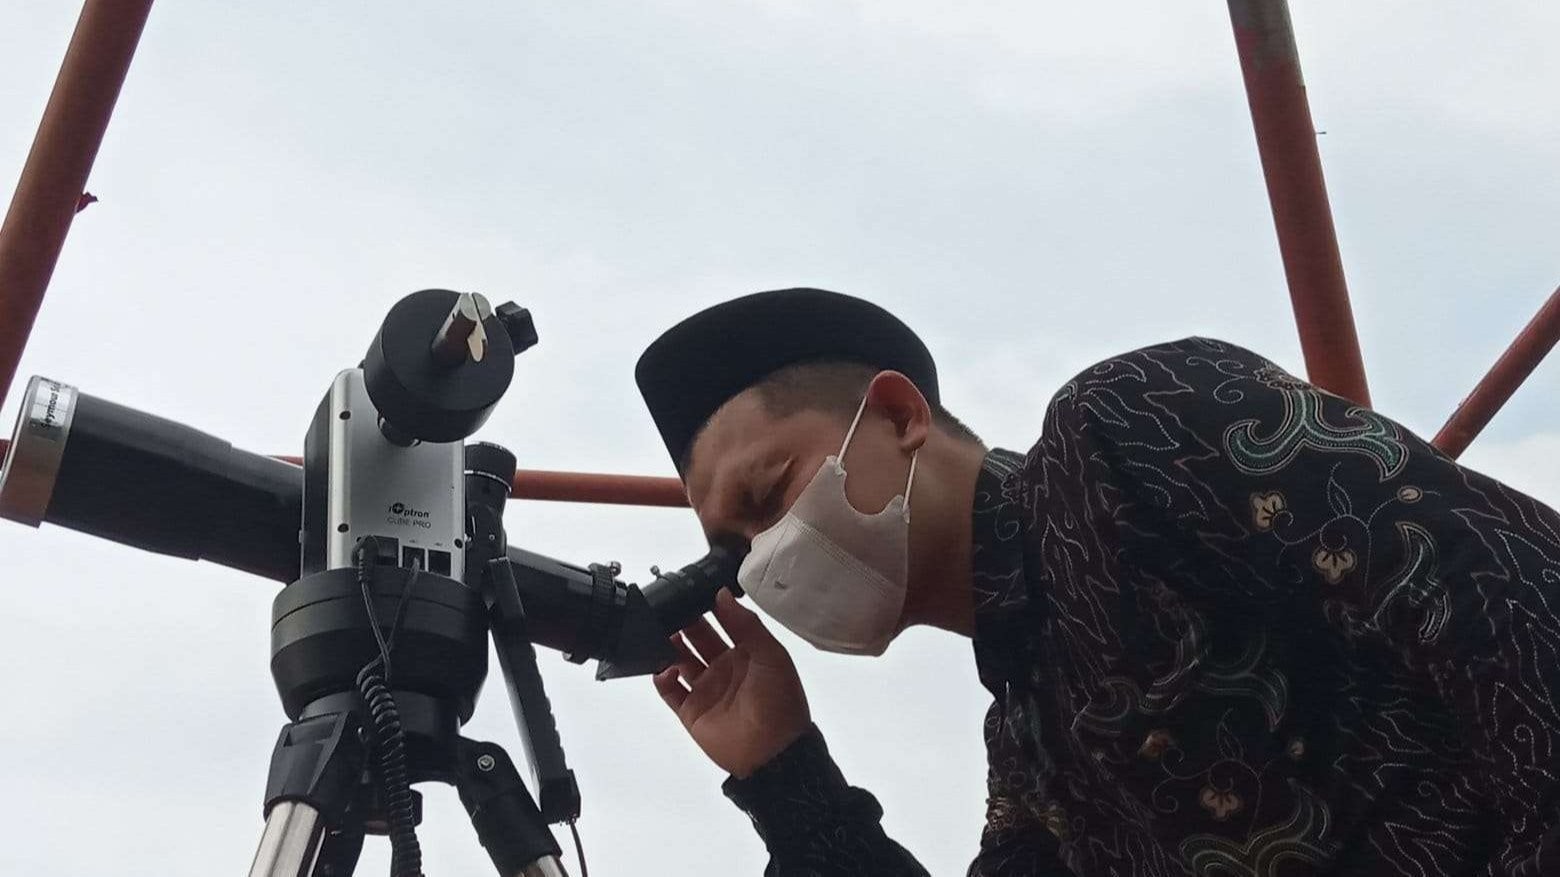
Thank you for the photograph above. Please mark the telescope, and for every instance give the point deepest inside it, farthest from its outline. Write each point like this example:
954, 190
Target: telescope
390, 544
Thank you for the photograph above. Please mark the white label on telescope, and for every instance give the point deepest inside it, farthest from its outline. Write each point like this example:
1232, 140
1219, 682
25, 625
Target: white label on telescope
51, 408
32, 462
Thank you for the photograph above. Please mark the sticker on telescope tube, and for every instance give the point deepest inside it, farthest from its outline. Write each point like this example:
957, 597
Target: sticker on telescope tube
51, 406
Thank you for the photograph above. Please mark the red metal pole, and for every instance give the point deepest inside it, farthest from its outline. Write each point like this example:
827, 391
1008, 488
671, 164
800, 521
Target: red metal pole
55, 174
1286, 141
541, 484
589, 487
1504, 377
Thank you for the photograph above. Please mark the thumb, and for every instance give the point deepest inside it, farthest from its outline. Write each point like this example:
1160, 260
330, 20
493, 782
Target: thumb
741, 623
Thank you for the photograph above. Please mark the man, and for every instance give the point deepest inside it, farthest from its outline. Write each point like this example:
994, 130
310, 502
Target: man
1233, 624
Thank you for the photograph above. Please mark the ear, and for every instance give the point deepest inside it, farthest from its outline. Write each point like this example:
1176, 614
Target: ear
895, 396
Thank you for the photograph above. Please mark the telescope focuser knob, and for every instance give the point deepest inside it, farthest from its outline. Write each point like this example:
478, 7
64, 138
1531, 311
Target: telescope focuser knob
519, 325
490, 461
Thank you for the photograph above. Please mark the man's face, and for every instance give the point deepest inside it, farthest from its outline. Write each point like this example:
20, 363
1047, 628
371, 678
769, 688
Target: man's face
748, 466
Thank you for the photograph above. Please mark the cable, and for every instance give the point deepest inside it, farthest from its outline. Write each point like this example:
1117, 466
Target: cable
390, 746
384, 723
365, 561
579, 848
400, 607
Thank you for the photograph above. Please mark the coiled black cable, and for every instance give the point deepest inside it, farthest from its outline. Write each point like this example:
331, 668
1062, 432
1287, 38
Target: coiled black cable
384, 725
390, 748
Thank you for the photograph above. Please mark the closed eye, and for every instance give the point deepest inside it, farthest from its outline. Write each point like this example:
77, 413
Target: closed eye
764, 504
762, 501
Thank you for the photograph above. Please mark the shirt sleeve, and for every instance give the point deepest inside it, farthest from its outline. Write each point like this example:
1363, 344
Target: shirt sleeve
1253, 490
1020, 837
813, 822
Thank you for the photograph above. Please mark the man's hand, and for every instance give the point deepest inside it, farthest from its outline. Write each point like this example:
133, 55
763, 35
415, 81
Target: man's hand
743, 704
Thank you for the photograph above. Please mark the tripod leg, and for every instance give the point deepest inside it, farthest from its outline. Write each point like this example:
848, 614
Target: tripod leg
508, 824
291, 840
314, 775
339, 852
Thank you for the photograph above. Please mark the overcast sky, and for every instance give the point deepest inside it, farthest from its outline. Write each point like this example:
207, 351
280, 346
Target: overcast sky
1032, 186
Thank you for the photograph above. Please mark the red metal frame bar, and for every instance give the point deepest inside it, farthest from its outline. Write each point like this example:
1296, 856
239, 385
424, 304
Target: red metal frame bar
1503, 379
1286, 140
588, 487
55, 174
591, 487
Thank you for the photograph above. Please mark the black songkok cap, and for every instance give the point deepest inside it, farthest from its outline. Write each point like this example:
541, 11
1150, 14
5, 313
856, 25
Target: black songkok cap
701, 363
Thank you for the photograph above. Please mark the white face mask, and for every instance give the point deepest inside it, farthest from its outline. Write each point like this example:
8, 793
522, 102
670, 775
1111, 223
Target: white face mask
832, 575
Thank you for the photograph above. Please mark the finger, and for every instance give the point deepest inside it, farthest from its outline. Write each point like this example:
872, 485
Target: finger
741, 662
706, 639
671, 689
688, 664
740, 622
711, 690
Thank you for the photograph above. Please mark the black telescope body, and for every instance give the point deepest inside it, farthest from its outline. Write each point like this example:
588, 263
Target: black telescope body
91, 465
161, 486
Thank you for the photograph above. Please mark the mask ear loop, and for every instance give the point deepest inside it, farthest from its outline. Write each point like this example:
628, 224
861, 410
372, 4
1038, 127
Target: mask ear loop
839, 459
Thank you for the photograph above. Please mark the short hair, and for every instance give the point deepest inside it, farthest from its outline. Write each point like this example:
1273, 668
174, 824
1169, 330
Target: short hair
836, 387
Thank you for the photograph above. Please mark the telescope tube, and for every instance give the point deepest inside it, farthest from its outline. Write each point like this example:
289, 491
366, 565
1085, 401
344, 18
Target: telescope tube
90, 465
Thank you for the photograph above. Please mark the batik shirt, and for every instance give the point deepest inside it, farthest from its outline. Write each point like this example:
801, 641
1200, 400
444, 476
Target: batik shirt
1236, 626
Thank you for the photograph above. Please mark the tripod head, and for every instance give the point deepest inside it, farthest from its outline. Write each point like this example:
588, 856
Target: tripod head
397, 567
